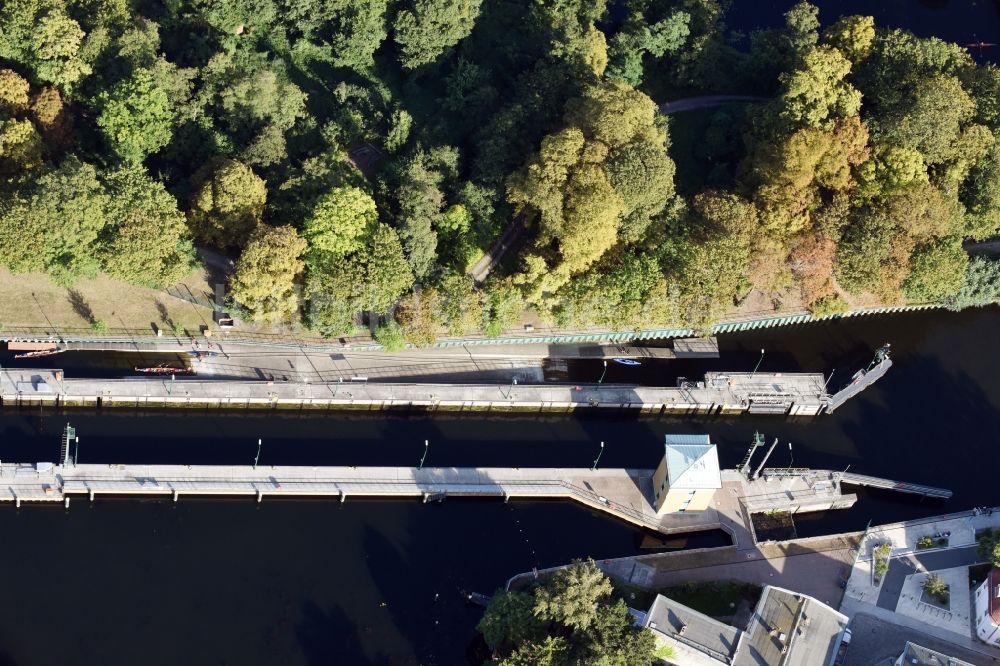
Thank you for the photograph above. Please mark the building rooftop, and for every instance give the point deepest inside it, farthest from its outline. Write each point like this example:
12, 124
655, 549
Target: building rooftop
918, 655
692, 462
686, 625
993, 592
792, 630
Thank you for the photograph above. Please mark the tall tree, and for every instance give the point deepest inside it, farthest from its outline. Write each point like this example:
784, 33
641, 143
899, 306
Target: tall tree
40, 35
341, 223
146, 240
425, 29
136, 117
53, 224
227, 203
573, 595
266, 274
13, 93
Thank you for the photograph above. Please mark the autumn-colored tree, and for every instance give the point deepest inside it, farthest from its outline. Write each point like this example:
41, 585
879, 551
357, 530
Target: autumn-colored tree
811, 261
853, 36
13, 93
20, 146
266, 273
227, 203
420, 315
53, 120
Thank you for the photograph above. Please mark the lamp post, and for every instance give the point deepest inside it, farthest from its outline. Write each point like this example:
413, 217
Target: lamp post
599, 452
601, 380
510, 391
756, 367
427, 445
257, 457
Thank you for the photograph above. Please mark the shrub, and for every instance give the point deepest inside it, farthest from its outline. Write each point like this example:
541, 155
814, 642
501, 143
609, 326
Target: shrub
935, 586
881, 566
925, 542
828, 305
99, 326
391, 336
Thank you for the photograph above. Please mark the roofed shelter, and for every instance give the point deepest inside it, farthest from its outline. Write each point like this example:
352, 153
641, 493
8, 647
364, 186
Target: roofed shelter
688, 475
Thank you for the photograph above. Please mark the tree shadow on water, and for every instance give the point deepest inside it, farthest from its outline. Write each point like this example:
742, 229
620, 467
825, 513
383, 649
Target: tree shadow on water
328, 637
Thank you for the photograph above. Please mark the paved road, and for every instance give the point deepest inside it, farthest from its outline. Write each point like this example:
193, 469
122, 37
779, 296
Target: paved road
901, 567
510, 238
875, 641
982, 246
706, 101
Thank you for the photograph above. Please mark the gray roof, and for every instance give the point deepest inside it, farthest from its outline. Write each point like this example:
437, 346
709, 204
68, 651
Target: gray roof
918, 655
692, 462
686, 625
791, 629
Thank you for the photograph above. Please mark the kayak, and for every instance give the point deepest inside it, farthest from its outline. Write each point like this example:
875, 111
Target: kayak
626, 361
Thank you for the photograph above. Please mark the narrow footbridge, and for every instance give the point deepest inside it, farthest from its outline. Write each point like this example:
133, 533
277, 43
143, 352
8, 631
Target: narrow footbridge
898, 486
860, 480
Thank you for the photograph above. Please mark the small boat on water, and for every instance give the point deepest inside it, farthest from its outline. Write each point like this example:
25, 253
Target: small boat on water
38, 353
476, 598
626, 361
164, 370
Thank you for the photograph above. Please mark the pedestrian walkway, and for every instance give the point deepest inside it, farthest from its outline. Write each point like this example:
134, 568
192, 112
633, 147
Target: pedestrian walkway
953, 615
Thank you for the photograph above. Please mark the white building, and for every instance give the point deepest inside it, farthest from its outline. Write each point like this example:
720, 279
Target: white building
787, 629
988, 609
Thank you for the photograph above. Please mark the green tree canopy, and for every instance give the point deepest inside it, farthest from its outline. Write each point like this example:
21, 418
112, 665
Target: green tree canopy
588, 178
53, 224
266, 274
582, 624
817, 92
510, 619
146, 240
980, 286
573, 596
13, 93
136, 117
341, 223
20, 147
227, 203
40, 35
853, 36
937, 271
424, 29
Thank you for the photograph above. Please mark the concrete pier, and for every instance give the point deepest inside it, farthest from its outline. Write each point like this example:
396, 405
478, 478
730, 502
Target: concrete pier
800, 394
624, 494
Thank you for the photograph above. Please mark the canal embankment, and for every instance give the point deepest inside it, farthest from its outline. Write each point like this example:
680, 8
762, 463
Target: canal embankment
796, 394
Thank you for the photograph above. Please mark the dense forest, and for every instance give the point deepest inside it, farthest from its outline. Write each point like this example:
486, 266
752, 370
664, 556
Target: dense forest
361, 155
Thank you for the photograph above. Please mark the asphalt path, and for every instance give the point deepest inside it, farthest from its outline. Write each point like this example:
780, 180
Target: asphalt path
706, 101
901, 567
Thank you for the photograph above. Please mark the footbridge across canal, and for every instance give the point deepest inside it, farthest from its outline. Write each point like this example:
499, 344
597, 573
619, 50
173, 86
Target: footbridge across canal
624, 494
